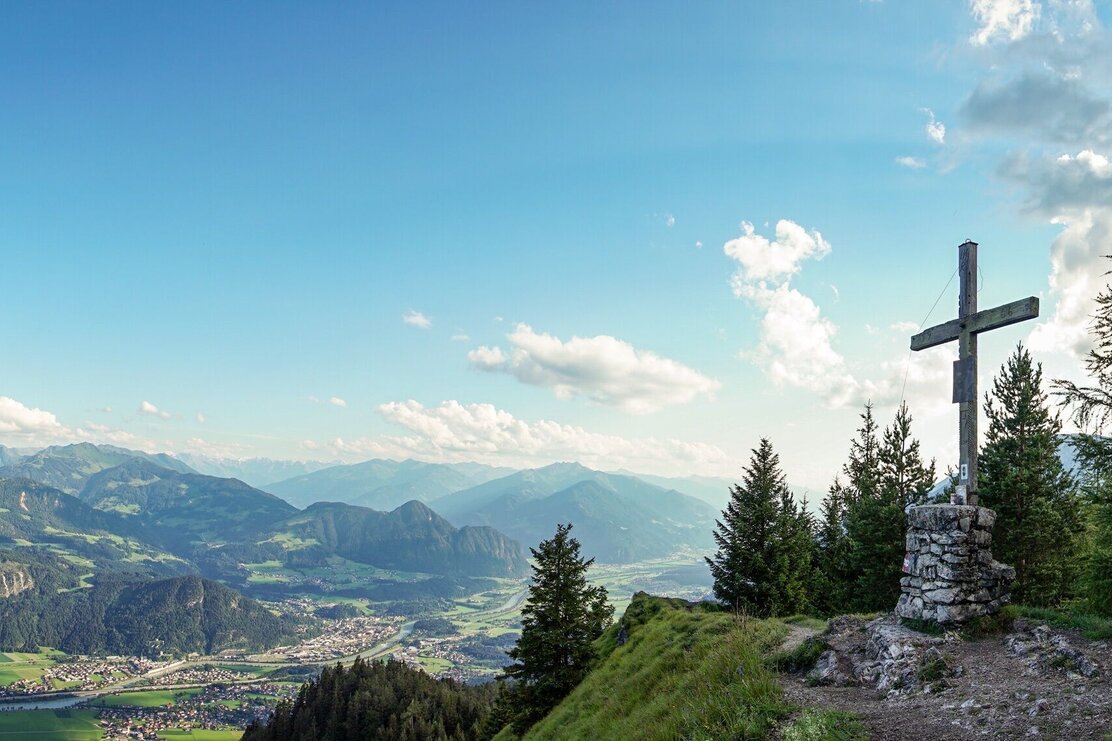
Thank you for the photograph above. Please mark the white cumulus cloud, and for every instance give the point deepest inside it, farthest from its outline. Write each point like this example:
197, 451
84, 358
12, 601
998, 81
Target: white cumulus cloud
336, 401
416, 319
912, 163
796, 341
1008, 20
604, 369
19, 419
778, 259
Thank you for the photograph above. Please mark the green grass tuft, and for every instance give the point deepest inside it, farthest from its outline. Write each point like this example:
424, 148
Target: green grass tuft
800, 658
825, 725
988, 626
1091, 626
932, 670
929, 627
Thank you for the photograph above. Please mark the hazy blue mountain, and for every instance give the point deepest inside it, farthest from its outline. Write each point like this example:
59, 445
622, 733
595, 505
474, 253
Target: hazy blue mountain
10, 456
712, 490
617, 519
532, 483
258, 472
184, 507
383, 484
68, 467
410, 538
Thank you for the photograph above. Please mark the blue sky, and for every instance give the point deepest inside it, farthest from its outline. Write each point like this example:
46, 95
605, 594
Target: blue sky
214, 218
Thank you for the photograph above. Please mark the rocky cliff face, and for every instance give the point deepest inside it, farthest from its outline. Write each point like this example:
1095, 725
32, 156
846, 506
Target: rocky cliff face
13, 580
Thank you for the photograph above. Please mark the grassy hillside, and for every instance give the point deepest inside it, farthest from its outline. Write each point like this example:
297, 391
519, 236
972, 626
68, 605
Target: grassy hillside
686, 670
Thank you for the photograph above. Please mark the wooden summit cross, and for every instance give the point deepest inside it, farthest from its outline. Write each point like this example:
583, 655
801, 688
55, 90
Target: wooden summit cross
965, 329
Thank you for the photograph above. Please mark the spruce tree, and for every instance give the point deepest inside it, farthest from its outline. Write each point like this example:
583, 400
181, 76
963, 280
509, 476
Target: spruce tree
875, 518
749, 564
795, 545
830, 593
1038, 518
562, 617
1091, 409
862, 468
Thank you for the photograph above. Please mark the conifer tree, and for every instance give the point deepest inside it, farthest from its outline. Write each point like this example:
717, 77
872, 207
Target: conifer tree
830, 593
875, 518
1091, 409
862, 468
562, 617
749, 566
1038, 518
795, 548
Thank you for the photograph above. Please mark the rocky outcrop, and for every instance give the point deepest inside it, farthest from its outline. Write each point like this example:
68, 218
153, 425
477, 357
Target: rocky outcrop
1044, 650
883, 654
951, 575
13, 580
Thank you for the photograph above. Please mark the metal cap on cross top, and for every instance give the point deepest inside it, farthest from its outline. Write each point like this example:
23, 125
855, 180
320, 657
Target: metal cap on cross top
965, 329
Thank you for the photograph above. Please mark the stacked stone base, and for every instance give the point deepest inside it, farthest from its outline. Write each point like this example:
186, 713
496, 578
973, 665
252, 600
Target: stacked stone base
951, 576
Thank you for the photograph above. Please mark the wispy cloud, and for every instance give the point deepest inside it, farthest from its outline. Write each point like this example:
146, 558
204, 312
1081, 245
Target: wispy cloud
145, 407
936, 130
485, 433
913, 163
416, 319
336, 401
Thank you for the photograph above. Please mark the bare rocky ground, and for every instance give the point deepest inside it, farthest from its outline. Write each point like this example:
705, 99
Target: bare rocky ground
1030, 682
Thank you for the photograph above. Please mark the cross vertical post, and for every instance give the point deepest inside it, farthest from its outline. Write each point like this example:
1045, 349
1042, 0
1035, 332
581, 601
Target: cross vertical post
965, 377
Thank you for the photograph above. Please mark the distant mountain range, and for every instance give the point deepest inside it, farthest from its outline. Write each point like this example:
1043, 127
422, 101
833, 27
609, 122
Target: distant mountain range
128, 524
258, 472
67, 467
384, 484
217, 522
617, 518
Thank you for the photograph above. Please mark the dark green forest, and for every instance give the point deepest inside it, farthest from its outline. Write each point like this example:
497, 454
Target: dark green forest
387, 701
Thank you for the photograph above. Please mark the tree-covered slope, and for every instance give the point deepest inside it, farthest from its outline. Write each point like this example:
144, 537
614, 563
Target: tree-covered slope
383, 484
385, 701
68, 467
128, 615
186, 507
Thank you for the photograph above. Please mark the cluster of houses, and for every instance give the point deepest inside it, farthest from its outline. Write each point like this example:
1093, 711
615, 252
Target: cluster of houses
205, 674
343, 637
81, 673
216, 707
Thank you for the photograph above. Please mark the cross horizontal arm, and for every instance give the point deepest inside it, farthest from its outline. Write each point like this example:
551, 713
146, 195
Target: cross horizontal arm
939, 334
982, 321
